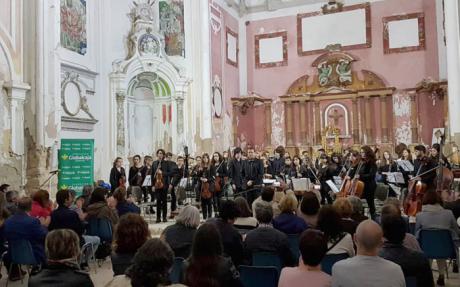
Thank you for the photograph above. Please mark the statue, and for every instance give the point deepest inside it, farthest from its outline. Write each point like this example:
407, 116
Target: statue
324, 71
343, 69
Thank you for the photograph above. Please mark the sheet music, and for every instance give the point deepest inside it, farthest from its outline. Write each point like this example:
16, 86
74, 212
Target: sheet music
147, 181
337, 180
300, 184
396, 189
406, 165
332, 186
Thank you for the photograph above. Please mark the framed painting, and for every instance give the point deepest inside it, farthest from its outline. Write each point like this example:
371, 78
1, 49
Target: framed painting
73, 26
172, 26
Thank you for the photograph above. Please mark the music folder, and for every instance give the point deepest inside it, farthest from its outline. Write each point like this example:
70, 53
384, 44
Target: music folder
300, 184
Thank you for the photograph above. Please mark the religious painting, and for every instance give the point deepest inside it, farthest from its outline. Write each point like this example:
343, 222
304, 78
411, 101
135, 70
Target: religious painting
336, 117
73, 26
172, 26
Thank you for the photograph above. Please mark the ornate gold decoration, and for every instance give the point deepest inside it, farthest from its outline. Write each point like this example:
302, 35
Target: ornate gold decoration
435, 89
328, 132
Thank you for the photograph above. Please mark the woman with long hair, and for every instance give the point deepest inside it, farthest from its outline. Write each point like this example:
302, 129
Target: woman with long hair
220, 179
367, 174
117, 174
207, 267
206, 185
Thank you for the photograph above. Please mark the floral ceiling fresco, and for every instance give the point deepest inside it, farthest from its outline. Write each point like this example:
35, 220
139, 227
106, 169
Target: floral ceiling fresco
172, 26
73, 26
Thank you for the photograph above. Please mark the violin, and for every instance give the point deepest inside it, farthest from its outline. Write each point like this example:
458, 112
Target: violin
205, 188
159, 181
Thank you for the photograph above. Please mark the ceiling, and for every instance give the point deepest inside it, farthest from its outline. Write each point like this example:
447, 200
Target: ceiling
253, 6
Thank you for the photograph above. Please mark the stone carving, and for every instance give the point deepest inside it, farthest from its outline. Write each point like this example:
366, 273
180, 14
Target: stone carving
149, 44
436, 90
73, 78
335, 72
333, 6
120, 119
142, 11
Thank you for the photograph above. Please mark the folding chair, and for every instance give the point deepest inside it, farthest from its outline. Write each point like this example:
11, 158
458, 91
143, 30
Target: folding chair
21, 254
330, 259
259, 276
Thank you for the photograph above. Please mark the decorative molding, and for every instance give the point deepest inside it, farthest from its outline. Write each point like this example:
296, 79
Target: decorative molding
368, 43
77, 124
249, 101
421, 33
259, 37
73, 78
332, 7
229, 31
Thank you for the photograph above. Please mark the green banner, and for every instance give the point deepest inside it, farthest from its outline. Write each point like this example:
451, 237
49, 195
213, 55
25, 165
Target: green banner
76, 164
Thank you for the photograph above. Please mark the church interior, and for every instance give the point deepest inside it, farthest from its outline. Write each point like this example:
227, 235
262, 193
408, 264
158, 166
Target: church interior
87, 82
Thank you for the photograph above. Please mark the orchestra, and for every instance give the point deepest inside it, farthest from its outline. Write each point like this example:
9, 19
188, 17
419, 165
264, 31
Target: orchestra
204, 180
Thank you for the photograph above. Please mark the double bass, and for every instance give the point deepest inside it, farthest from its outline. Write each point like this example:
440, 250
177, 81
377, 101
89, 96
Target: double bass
352, 186
444, 176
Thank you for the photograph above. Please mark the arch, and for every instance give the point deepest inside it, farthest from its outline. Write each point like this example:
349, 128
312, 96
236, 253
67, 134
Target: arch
8, 59
329, 107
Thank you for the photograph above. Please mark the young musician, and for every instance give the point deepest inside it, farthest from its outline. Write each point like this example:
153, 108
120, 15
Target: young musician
324, 174
278, 161
195, 178
384, 165
117, 174
253, 171
424, 168
135, 176
161, 182
147, 180
367, 174
287, 170
179, 173
235, 170
321, 153
406, 156
434, 156
206, 185
172, 166
268, 172
221, 178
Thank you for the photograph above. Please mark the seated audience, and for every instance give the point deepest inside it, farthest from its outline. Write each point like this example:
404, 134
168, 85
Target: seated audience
86, 195
268, 195
309, 209
151, 266
288, 222
265, 238
21, 226
207, 266
41, 206
99, 208
409, 239
367, 268
124, 205
4, 188
358, 209
413, 263
131, 232
11, 201
338, 241
245, 220
313, 248
345, 210
62, 270
434, 216
231, 238
77, 205
179, 236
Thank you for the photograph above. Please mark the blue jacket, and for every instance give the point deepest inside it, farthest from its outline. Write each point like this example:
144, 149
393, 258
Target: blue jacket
63, 217
127, 207
23, 226
289, 223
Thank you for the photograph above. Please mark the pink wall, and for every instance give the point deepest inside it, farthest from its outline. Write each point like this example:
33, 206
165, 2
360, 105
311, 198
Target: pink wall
399, 70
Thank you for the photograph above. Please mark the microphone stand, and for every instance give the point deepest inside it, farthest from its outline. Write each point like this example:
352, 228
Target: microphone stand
52, 174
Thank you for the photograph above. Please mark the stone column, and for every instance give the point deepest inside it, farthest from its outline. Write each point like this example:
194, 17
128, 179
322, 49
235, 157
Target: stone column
355, 111
268, 124
303, 122
234, 125
453, 66
383, 118
317, 123
413, 117
368, 122
289, 123
16, 99
121, 99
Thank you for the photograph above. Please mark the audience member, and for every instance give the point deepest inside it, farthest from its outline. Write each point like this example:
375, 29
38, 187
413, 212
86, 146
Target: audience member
338, 241
124, 205
434, 216
367, 268
131, 233
151, 266
21, 226
4, 188
309, 209
413, 263
11, 201
99, 208
62, 270
409, 241
358, 209
232, 240
179, 236
265, 238
86, 195
41, 206
345, 210
245, 220
207, 266
288, 222
268, 195
313, 248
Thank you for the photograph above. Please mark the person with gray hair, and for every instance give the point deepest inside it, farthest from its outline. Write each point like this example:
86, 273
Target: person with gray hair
180, 235
358, 209
367, 268
12, 201
265, 238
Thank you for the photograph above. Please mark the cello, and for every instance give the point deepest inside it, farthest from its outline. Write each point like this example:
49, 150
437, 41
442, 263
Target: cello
416, 190
444, 176
352, 186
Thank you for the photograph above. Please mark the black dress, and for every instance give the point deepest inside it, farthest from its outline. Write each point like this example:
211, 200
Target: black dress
115, 177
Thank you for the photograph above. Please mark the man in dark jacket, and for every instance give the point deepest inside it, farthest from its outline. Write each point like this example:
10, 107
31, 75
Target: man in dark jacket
235, 170
253, 171
413, 263
265, 238
64, 218
161, 168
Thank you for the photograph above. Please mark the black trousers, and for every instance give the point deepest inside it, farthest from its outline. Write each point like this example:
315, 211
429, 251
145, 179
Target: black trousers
162, 203
206, 207
173, 199
216, 199
369, 195
325, 196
